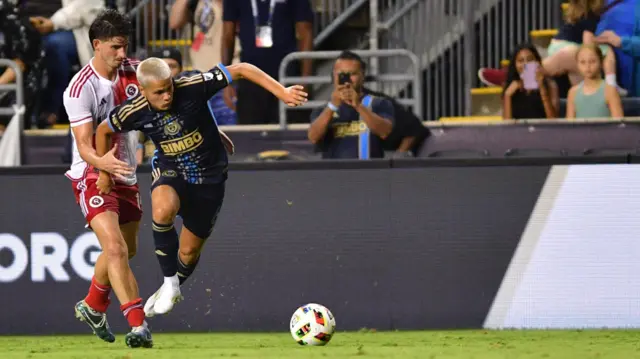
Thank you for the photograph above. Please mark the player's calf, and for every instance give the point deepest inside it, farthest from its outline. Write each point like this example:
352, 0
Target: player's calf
188, 258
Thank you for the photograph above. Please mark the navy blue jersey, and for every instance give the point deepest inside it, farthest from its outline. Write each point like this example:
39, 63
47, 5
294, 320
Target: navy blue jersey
186, 136
344, 135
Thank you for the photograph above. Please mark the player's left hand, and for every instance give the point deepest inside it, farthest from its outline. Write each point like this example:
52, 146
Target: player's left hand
104, 183
294, 96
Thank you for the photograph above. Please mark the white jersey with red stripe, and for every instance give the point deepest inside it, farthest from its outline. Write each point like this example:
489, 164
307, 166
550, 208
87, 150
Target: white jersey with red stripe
88, 99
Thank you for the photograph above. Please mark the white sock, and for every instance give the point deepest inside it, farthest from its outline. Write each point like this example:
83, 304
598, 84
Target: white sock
172, 281
611, 80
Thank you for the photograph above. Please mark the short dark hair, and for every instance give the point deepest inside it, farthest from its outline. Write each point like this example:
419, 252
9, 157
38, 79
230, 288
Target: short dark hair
350, 55
109, 24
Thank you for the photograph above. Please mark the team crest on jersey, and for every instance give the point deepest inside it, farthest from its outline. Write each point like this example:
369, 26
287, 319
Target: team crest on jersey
172, 128
131, 90
169, 173
96, 201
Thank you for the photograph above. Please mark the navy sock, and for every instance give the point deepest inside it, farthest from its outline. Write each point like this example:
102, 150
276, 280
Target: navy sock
166, 241
186, 270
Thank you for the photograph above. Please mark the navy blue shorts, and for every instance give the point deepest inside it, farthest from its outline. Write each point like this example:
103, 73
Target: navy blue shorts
200, 204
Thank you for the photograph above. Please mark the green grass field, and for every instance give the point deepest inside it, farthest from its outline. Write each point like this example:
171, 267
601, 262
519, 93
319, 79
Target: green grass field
477, 344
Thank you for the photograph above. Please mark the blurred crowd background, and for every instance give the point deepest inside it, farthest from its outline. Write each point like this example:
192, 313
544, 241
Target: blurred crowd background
411, 62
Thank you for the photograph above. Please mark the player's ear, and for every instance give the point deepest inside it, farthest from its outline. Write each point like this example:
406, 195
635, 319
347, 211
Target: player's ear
96, 43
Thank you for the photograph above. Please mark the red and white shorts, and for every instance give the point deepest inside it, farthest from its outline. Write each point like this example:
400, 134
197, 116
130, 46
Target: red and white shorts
123, 200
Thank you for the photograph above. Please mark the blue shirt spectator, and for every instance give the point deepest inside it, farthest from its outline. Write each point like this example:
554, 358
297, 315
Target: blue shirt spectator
347, 131
352, 125
622, 19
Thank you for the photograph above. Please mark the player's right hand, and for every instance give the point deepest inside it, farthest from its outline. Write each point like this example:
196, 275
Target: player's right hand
104, 183
109, 163
294, 96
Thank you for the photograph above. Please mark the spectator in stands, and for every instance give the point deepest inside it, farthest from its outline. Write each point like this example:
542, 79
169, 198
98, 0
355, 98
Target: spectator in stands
352, 124
528, 93
64, 26
206, 19
267, 31
22, 44
593, 97
580, 25
620, 28
173, 58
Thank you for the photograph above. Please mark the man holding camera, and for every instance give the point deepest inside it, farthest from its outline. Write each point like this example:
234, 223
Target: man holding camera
352, 124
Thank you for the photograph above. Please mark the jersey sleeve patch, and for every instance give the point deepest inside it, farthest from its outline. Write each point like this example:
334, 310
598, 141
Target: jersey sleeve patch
221, 70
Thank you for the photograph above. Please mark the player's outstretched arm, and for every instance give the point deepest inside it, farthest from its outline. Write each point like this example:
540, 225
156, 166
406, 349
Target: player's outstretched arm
293, 96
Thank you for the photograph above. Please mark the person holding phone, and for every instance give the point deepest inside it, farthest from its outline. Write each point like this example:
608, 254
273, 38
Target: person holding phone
528, 93
352, 124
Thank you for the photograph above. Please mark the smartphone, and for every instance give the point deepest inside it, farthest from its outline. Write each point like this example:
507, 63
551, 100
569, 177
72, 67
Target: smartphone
529, 81
344, 78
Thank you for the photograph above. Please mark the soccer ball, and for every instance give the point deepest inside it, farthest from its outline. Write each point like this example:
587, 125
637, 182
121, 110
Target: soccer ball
312, 324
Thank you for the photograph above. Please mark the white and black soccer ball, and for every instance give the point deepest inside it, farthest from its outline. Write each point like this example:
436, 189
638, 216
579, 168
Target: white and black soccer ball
312, 324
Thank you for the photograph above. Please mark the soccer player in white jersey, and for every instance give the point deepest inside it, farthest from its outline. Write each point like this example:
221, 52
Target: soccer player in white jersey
105, 82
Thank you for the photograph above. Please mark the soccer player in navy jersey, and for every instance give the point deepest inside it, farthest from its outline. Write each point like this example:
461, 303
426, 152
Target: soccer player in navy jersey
190, 167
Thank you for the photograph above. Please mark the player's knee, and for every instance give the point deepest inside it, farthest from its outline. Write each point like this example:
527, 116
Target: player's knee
164, 214
116, 249
189, 254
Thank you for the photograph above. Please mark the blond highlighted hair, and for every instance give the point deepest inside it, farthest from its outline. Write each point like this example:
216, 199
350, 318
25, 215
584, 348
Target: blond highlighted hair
152, 69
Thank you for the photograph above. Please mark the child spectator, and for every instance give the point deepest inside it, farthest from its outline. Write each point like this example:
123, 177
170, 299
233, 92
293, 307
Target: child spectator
593, 98
528, 93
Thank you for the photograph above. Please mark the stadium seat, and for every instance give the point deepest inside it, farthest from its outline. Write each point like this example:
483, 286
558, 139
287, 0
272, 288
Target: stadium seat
534, 152
470, 119
542, 38
459, 153
486, 101
609, 151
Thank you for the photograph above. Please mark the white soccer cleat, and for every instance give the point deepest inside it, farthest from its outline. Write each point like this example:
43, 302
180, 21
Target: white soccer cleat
148, 306
166, 297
